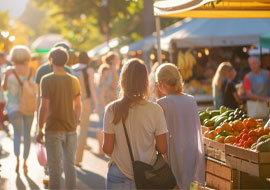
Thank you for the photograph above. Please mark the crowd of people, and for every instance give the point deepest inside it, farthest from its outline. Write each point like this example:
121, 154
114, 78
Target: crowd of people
66, 96
157, 115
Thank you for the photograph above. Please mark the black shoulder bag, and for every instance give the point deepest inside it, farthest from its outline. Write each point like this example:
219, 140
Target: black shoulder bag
146, 176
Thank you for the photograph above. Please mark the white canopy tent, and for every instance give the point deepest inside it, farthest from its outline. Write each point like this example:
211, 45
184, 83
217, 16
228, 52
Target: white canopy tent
217, 32
199, 9
104, 48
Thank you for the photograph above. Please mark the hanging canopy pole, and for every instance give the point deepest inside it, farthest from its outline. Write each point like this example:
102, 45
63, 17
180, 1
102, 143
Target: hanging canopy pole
158, 40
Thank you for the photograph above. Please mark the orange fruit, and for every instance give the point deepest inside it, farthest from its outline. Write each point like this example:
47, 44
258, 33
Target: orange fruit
219, 129
226, 126
229, 139
251, 123
220, 139
211, 134
238, 125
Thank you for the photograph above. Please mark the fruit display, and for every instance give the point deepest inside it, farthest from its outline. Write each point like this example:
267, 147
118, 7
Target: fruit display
185, 62
235, 127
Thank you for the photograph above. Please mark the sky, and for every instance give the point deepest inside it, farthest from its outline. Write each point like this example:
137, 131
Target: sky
15, 7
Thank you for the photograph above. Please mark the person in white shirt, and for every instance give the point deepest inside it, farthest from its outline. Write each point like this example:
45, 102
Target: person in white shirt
145, 124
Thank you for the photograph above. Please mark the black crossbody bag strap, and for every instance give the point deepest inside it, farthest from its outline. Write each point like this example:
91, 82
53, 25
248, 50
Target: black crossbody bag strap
128, 142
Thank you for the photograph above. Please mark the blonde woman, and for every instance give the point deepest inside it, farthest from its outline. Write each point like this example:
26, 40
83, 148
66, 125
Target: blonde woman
20, 57
219, 77
186, 153
145, 124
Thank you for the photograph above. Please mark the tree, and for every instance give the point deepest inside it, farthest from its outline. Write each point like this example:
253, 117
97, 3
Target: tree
33, 17
87, 23
108, 13
13, 32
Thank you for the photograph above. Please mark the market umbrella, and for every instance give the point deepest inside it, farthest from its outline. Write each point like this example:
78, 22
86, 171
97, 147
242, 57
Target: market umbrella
43, 44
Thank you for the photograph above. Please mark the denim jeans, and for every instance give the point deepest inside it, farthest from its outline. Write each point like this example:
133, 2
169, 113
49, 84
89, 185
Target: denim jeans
101, 118
117, 180
19, 122
61, 146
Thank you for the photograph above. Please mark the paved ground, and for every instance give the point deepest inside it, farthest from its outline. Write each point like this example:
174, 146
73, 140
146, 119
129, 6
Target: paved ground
92, 175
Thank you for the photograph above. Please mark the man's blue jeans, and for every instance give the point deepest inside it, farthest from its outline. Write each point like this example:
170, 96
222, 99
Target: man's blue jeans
61, 146
21, 122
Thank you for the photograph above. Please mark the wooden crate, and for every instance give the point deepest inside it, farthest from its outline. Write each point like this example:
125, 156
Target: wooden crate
248, 161
220, 176
214, 149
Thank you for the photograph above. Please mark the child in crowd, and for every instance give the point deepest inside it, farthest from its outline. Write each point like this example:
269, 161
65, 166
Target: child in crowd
104, 99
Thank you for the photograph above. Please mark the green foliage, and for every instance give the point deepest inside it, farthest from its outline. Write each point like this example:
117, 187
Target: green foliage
85, 23
14, 28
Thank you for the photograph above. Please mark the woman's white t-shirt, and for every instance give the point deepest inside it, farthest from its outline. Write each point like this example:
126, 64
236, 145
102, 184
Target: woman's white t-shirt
145, 121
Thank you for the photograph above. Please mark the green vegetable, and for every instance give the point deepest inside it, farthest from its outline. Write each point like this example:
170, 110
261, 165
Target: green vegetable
263, 146
209, 123
263, 138
222, 109
219, 120
214, 113
224, 133
204, 115
227, 113
214, 118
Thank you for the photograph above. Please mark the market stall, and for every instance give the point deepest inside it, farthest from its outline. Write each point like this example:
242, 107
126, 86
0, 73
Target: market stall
202, 38
231, 160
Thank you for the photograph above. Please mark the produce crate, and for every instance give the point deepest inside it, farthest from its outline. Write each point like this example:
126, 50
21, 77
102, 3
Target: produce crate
248, 161
214, 149
220, 176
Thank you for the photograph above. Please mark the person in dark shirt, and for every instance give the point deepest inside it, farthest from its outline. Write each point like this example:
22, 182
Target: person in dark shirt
230, 97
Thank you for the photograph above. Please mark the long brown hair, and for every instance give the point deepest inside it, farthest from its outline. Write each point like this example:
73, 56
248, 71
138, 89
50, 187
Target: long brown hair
134, 87
223, 69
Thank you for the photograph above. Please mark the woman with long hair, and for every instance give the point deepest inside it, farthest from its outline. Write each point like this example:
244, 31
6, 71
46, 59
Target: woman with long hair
223, 69
20, 57
145, 124
186, 153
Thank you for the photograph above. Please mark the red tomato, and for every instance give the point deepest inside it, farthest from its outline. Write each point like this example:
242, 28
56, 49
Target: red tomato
250, 140
245, 137
254, 139
253, 133
261, 131
245, 131
266, 131
246, 144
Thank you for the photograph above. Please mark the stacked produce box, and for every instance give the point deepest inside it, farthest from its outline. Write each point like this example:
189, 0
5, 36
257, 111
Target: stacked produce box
236, 128
234, 142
